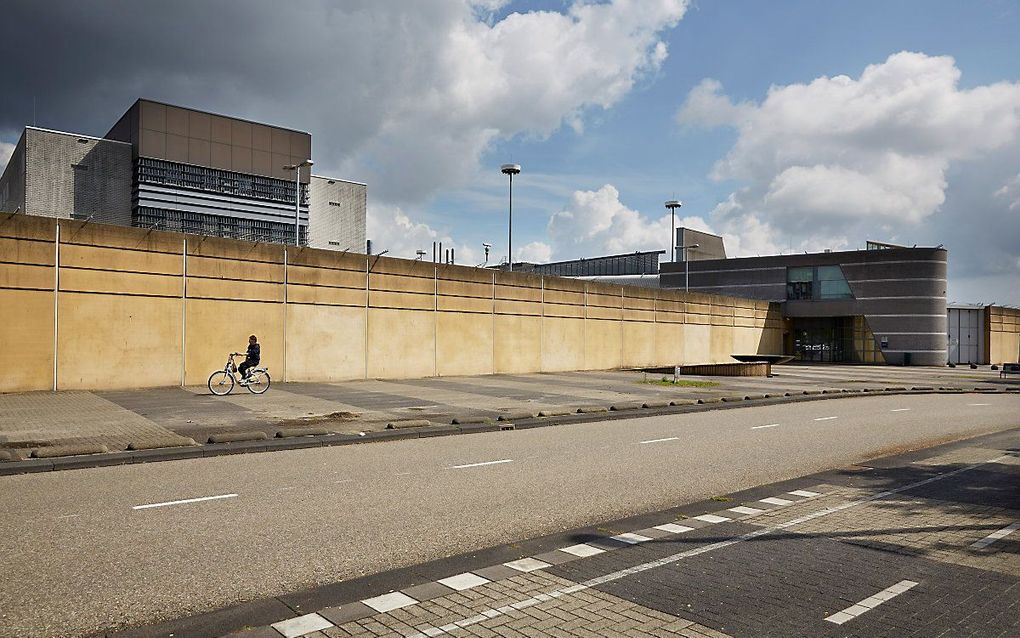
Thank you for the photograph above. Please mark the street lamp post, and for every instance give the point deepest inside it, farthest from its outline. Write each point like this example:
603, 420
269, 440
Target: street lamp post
672, 205
297, 197
510, 170
687, 266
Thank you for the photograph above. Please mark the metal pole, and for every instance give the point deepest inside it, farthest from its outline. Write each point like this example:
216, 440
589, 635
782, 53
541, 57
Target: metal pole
510, 227
297, 204
672, 236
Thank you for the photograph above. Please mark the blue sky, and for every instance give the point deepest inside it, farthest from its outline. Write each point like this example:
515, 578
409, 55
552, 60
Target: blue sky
735, 107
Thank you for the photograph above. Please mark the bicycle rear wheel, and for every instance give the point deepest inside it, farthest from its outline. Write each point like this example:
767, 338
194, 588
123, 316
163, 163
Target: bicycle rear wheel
221, 382
258, 382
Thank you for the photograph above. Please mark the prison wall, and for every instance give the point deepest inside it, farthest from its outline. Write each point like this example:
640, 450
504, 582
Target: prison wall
92, 306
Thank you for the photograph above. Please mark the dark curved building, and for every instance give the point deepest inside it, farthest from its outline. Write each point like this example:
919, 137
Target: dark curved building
885, 304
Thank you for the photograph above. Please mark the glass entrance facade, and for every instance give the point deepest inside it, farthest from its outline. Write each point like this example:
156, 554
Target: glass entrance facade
835, 340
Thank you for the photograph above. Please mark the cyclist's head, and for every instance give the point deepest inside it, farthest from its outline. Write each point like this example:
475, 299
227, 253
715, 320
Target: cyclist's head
252, 339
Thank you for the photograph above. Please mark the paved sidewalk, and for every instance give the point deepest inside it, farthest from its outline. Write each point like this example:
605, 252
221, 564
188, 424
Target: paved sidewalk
169, 416
923, 544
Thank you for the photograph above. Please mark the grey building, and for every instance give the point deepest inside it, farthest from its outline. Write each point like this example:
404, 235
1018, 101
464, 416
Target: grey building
636, 263
337, 214
57, 174
208, 174
180, 169
885, 304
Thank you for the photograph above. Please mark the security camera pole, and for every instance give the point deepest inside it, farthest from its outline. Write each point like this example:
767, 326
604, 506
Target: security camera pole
297, 196
510, 170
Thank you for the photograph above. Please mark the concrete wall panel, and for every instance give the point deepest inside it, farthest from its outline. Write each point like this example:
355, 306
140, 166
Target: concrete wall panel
26, 339
603, 344
401, 343
519, 346
562, 344
325, 343
126, 341
464, 343
216, 328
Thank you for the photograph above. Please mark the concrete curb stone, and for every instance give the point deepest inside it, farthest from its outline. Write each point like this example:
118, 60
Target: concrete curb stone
54, 451
156, 445
238, 447
812, 392
92, 460
464, 420
754, 397
233, 437
516, 416
681, 402
658, 403
6, 456
592, 409
738, 397
554, 412
630, 405
706, 400
409, 423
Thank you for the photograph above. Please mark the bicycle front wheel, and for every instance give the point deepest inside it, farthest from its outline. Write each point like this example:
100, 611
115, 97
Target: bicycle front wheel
221, 382
258, 382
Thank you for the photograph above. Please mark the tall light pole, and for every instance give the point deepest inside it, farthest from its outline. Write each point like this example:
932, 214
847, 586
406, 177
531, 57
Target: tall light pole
672, 205
687, 267
510, 170
297, 196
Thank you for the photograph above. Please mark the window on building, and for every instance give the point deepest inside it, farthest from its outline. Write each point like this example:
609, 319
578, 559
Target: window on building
799, 283
817, 282
832, 284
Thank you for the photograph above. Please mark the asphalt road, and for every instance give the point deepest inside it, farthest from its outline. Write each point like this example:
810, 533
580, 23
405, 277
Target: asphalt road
81, 553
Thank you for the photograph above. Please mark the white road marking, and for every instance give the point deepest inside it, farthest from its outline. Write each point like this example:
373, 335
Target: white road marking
749, 511
460, 582
900, 410
527, 565
459, 467
994, 536
582, 550
673, 528
672, 438
804, 493
711, 518
977, 404
389, 602
293, 627
770, 425
184, 501
630, 538
826, 418
870, 602
772, 500
402, 474
668, 560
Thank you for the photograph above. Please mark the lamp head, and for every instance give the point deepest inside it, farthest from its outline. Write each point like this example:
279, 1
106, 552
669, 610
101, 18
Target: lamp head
673, 203
510, 169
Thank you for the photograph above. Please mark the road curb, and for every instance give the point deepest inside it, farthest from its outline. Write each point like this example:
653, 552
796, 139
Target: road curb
508, 422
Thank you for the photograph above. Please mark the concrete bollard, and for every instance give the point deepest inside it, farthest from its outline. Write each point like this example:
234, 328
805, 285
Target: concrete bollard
74, 449
134, 446
234, 437
409, 423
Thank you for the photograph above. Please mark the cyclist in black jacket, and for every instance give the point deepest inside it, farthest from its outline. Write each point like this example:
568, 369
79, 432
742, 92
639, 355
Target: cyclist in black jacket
251, 359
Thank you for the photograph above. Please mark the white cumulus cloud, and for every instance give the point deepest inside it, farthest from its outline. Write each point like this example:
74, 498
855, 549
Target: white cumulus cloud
887, 154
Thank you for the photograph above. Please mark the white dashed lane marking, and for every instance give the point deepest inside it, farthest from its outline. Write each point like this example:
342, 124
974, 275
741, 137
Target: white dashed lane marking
826, 418
870, 602
184, 501
974, 405
672, 438
900, 410
460, 467
994, 536
770, 425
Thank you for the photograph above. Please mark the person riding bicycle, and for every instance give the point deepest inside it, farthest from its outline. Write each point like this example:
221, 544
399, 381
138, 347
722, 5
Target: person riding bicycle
251, 359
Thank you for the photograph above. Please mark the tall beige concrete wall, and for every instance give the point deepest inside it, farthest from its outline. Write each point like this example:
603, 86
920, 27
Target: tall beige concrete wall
1002, 334
89, 306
